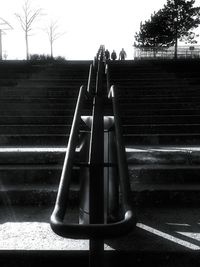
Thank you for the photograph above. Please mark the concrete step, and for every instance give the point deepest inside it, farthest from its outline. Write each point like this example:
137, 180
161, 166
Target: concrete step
34, 140
162, 120
162, 139
128, 93
34, 129
157, 175
37, 100
163, 155
160, 112
51, 91
150, 82
131, 92
31, 156
169, 129
161, 105
39, 120
35, 112
160, 99
39, 106
160, 174
39, 194
52, 82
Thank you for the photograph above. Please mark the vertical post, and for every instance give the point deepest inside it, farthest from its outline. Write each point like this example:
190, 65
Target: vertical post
84, 186
0, 44
96, 188
176, 28
27, 48
111, 182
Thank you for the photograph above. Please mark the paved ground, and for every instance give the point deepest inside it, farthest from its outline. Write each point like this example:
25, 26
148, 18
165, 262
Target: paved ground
158, 229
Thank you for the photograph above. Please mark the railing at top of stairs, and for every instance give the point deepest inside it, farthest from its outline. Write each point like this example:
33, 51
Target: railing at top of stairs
98, 186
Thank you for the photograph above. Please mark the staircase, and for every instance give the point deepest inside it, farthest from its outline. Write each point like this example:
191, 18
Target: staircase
160, 113
36, 111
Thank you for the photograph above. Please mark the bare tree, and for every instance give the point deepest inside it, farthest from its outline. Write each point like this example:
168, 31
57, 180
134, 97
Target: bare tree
53, 33
4, 26
28, 16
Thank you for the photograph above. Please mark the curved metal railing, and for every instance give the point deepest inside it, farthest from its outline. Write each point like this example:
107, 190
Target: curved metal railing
94, 229
62, 196
121, 153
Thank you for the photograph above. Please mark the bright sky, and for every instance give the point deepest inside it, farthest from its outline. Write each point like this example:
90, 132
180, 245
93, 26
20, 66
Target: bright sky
87, 24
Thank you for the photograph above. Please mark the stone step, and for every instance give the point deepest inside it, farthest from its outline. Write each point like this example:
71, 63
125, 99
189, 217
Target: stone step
178, 178
156, 173
22, 100
32, 174
150, 82
163, 155
41, 92
159, 119
34, 140
157, 95
162, 139
161, 105
52, 81
40, 120
161, 112
30, 194
148, 86
42, 112
34, 129
158, 129
30, 157
38, 177
160, 99
38, 106
132, 93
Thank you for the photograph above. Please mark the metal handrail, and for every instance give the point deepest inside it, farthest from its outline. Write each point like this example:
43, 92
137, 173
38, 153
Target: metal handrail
121, 153
108, 78
89, 79
59, 210
93, 230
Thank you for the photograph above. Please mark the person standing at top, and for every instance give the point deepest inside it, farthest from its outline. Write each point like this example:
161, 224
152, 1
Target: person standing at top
122, 54
107, 54
113, 55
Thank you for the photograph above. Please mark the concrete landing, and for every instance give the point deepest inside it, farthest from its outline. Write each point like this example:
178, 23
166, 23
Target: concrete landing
158, 230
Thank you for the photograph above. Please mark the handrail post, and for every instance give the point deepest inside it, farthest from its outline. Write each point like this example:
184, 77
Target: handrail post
84, 182
111, 181
96, 161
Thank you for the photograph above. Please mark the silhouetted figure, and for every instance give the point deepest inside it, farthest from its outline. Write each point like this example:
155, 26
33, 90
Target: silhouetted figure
113, 55
107, 54
122, 54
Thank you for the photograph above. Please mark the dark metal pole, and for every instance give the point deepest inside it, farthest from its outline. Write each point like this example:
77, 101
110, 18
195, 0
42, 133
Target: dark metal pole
96, 198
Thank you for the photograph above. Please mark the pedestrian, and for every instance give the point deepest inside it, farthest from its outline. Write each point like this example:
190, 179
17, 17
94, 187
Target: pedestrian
122, 54
107, 54
113, 55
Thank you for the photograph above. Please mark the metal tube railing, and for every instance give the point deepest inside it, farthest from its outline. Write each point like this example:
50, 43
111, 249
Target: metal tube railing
121, 153
96, 228
89, 80
60, 206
